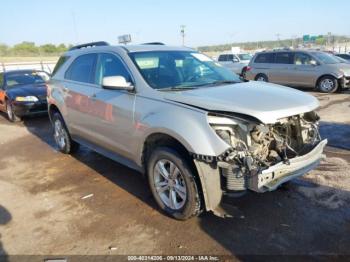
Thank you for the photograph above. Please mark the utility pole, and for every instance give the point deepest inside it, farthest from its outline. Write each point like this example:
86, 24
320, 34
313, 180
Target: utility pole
278, 39
182, 27
294, 42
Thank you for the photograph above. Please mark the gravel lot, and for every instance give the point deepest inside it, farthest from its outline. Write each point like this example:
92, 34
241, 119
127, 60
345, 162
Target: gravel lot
43, 210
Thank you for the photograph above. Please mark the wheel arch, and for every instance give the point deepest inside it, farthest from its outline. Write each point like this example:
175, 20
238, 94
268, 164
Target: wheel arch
53, 109
324, 75
159, 139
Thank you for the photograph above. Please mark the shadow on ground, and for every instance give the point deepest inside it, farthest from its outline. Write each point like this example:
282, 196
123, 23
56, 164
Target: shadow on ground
280, 222
338, 134
5, 217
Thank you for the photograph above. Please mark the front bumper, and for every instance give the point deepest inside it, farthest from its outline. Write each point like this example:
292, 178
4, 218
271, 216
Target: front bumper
29, 108
345, 82
269, 179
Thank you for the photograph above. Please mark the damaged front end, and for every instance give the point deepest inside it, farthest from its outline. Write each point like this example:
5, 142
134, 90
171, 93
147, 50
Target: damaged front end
263, 156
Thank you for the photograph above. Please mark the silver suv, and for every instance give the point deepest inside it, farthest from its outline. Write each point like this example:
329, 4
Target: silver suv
301, 68
191, 126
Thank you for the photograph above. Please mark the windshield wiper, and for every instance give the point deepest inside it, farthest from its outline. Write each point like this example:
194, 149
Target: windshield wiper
222, 82
176, 88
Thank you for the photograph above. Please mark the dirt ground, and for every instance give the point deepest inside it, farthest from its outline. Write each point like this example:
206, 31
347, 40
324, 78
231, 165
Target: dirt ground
86, 204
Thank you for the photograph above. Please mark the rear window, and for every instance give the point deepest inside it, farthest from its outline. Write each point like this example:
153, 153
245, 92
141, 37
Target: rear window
59, 64
264, 58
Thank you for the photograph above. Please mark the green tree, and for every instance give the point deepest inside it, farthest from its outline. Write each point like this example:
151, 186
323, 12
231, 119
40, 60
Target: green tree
25, 48
3, 49
48, 49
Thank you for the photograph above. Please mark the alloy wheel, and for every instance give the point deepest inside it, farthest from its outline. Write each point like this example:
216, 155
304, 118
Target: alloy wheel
60, 134
170, 184
327, 85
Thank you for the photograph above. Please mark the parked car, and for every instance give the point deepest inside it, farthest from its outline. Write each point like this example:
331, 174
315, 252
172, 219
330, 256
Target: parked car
344, 56
235, 62
23, 93
191, 126
302, 68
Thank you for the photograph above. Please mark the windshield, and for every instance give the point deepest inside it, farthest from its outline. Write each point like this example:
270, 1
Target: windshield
326, 58
23, 79
180, 70
245, 56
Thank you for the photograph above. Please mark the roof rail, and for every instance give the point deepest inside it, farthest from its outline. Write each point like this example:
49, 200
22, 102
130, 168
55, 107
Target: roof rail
154, 43
92, 44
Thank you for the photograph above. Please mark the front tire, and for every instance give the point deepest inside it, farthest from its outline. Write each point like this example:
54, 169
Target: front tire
173, 184
62, 137
10, 113
327, 84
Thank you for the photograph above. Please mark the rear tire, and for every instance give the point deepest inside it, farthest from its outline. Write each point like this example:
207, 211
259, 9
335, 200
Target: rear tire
62, 137
173, 184
327, 84
10, 113
262, 78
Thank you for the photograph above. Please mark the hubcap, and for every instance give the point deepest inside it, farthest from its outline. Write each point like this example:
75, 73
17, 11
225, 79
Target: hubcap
59, 134
170, 184
327, 85
261, 79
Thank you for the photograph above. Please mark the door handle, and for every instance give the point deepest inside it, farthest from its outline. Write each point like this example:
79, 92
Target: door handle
93, 97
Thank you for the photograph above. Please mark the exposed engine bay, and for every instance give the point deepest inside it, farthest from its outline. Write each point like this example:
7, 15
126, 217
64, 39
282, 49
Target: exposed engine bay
256, 147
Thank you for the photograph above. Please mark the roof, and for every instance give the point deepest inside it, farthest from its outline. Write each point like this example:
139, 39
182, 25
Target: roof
290, 50
132, 48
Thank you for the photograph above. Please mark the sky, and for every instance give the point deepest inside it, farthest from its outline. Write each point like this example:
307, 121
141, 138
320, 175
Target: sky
207, 22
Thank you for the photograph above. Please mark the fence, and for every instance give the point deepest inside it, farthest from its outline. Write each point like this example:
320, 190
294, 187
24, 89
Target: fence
47, 66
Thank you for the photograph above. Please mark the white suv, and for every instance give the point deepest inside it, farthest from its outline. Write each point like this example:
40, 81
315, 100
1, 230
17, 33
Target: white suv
235, 62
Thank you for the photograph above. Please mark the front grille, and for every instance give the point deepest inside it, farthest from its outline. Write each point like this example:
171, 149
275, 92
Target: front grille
42, 97
38, 108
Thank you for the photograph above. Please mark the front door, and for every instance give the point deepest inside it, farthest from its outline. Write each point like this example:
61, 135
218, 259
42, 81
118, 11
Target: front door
304, 72
113, 108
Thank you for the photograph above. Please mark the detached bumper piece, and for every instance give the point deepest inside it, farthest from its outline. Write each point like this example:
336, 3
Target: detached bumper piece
271, 178
29, 108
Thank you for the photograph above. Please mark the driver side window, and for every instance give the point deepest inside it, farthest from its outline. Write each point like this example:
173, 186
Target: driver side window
110, 65
302, 59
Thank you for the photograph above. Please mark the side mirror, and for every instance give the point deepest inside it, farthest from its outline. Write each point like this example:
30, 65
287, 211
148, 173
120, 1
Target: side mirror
117, 83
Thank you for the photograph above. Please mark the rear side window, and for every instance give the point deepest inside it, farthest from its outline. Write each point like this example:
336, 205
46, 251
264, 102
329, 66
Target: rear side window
264, 58
344, 56
82, 69
222, 58
59, 64
284, 58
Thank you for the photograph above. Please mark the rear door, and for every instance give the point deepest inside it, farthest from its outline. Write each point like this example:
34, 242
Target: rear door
79, 88
283, 64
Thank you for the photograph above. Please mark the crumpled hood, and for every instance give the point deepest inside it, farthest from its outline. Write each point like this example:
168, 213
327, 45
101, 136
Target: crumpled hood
264, 101
38, 90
